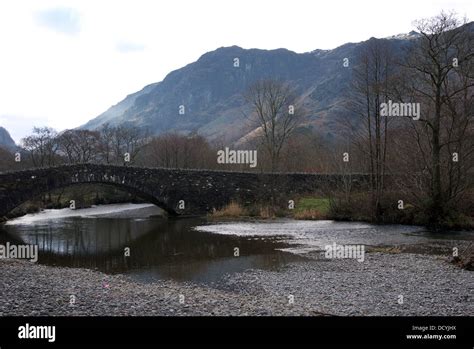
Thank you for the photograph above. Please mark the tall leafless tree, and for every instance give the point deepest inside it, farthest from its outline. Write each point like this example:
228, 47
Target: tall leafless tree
276, 111
42, 146
369, 130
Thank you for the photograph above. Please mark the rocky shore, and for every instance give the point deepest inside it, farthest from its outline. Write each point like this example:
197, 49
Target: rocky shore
384, 284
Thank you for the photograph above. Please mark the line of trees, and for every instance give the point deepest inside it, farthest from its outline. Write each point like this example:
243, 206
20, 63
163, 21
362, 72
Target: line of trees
439, 74
109, 145
432, 155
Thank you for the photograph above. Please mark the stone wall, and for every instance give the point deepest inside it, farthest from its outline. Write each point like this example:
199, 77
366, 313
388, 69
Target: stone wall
179, 192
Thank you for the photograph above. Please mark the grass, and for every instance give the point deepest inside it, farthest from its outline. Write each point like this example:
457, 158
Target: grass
311, 208
305, 208
231, 210
320, 204
266, 212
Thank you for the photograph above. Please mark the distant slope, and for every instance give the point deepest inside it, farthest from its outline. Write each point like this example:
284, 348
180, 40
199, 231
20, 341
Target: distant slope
6, 140
113, 115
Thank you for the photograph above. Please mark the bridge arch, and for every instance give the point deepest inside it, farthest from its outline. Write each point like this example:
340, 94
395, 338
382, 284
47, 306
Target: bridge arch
17, 188
125, 188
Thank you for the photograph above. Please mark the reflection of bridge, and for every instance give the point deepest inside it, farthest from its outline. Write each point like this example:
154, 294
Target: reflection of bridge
176, 191
170, 248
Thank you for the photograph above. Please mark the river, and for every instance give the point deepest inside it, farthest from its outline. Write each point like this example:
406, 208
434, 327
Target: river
198, 249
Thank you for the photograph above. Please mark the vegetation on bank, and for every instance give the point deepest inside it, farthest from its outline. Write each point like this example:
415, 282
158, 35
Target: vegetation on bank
312, 208
355, 208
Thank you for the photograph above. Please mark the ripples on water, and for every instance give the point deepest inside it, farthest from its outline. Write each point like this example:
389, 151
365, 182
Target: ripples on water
189, 249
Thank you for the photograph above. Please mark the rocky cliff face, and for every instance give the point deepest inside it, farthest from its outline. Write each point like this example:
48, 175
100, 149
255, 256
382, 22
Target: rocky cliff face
206, 96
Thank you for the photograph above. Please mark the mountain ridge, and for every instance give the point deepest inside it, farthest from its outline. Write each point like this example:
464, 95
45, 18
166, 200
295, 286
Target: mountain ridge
211, 88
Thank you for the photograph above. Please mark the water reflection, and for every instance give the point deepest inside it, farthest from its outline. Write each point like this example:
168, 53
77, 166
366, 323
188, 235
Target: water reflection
159, 248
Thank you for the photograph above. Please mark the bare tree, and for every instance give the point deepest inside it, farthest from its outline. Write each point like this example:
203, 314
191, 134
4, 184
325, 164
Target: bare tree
116, 142
79, 146
276, 112
42, 146
369, 131
106, 140
178, 151
133, 142
67, 144
439, 75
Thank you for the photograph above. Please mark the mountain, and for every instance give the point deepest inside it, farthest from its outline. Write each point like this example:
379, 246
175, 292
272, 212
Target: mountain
211, 89
6, 140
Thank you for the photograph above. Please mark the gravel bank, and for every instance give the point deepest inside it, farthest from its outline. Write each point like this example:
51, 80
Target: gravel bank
31, 289
429, 286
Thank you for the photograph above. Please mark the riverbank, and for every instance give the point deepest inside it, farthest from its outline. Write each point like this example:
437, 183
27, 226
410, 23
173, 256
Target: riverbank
358, 209
428, 284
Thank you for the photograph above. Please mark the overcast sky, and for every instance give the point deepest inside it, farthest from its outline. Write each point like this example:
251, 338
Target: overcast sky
64, 62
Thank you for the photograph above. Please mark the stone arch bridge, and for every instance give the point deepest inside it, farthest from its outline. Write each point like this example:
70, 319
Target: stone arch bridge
178, 192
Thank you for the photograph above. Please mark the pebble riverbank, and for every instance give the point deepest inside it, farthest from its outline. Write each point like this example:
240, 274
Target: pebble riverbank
384, 284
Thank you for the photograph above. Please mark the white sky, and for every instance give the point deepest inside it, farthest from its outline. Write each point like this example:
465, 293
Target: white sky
63, 63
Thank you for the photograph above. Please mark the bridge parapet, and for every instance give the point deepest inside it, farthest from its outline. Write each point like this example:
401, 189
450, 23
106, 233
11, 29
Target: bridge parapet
179, 192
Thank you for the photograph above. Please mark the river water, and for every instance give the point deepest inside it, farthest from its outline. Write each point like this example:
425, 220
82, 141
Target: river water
196, 249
